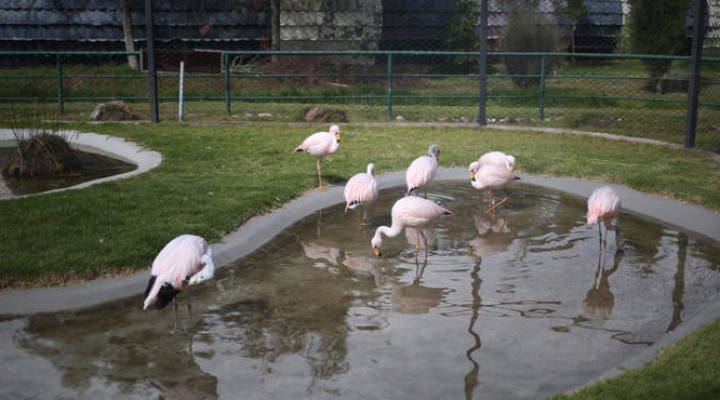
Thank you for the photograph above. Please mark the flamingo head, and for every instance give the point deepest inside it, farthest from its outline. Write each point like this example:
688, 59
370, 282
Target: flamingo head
335, 130
510, 163
592, 218
207, 273
434, 151
376, 243
473, 168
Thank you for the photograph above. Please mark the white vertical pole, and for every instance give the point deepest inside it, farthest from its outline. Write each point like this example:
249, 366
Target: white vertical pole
182, 85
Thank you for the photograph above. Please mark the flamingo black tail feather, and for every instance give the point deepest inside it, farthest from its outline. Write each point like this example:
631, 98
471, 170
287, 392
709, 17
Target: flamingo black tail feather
165, 295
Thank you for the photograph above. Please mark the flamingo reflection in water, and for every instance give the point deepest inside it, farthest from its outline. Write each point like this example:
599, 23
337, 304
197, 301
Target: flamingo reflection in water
600, 300
494, 236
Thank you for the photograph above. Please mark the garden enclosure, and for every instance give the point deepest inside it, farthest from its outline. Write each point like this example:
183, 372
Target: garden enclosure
377, 61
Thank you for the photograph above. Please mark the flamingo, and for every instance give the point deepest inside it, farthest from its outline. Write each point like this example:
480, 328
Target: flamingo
498, 157
184, 262
604, 205
361, 190
422, 170
491, 176
412, 212
321, 144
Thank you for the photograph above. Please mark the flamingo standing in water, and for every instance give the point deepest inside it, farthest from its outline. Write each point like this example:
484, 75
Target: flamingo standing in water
604, 205
491, 176
361, 190
184, 262
410, 212
499, 158
422, 170
321, 144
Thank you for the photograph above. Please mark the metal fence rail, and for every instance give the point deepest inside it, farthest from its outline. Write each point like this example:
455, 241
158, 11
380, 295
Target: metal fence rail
415, 84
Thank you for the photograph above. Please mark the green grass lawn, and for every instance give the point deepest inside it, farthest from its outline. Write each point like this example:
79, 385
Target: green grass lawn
214, 177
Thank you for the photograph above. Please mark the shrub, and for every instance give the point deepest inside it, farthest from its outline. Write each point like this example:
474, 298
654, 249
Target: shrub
527, 32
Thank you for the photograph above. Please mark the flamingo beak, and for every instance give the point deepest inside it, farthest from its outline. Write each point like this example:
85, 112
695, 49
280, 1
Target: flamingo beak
472, 176
376, 250
337, 136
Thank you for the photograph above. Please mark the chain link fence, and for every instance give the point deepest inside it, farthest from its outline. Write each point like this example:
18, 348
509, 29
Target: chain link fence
556, 63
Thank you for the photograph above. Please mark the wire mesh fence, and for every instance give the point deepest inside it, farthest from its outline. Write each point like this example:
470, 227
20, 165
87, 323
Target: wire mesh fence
556, 64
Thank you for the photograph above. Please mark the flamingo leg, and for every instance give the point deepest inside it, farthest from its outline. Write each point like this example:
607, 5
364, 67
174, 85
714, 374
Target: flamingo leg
496, 205
189, 306
417, 242
319, 169
425, 243
619, 240
175, 306
604, 240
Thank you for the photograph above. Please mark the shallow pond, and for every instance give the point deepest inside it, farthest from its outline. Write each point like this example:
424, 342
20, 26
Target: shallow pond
519, 305
94, 166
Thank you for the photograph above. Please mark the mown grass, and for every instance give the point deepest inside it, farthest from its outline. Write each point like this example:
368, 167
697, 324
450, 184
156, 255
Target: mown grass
214, 177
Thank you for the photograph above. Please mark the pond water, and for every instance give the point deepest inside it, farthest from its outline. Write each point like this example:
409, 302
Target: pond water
519, 305
95, 166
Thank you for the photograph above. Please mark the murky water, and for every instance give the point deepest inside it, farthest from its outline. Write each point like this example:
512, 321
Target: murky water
519, 305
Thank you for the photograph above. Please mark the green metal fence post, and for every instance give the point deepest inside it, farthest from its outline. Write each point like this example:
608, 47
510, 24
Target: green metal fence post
226, 59
543, 61
58, 69
389, 85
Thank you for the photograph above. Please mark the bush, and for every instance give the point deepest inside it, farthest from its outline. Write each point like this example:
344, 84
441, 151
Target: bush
527, 32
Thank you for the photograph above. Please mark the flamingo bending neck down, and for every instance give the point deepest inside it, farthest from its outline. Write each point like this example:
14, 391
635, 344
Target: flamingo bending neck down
321, 144
409, 212
184, 262
422, 170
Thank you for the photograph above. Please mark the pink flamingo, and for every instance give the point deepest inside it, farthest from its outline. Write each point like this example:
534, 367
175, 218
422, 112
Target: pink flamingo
422, 170
499, 158
184, 262
491, 176
321, 144
604, 205
361, 190
410, 212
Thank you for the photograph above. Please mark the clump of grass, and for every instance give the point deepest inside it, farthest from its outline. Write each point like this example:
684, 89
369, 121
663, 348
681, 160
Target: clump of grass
42, 148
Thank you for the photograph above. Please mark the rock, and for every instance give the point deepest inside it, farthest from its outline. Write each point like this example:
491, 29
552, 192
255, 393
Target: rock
313, 113
115, 110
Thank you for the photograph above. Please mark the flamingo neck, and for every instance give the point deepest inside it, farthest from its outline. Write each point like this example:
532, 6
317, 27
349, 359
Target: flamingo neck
388, 231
